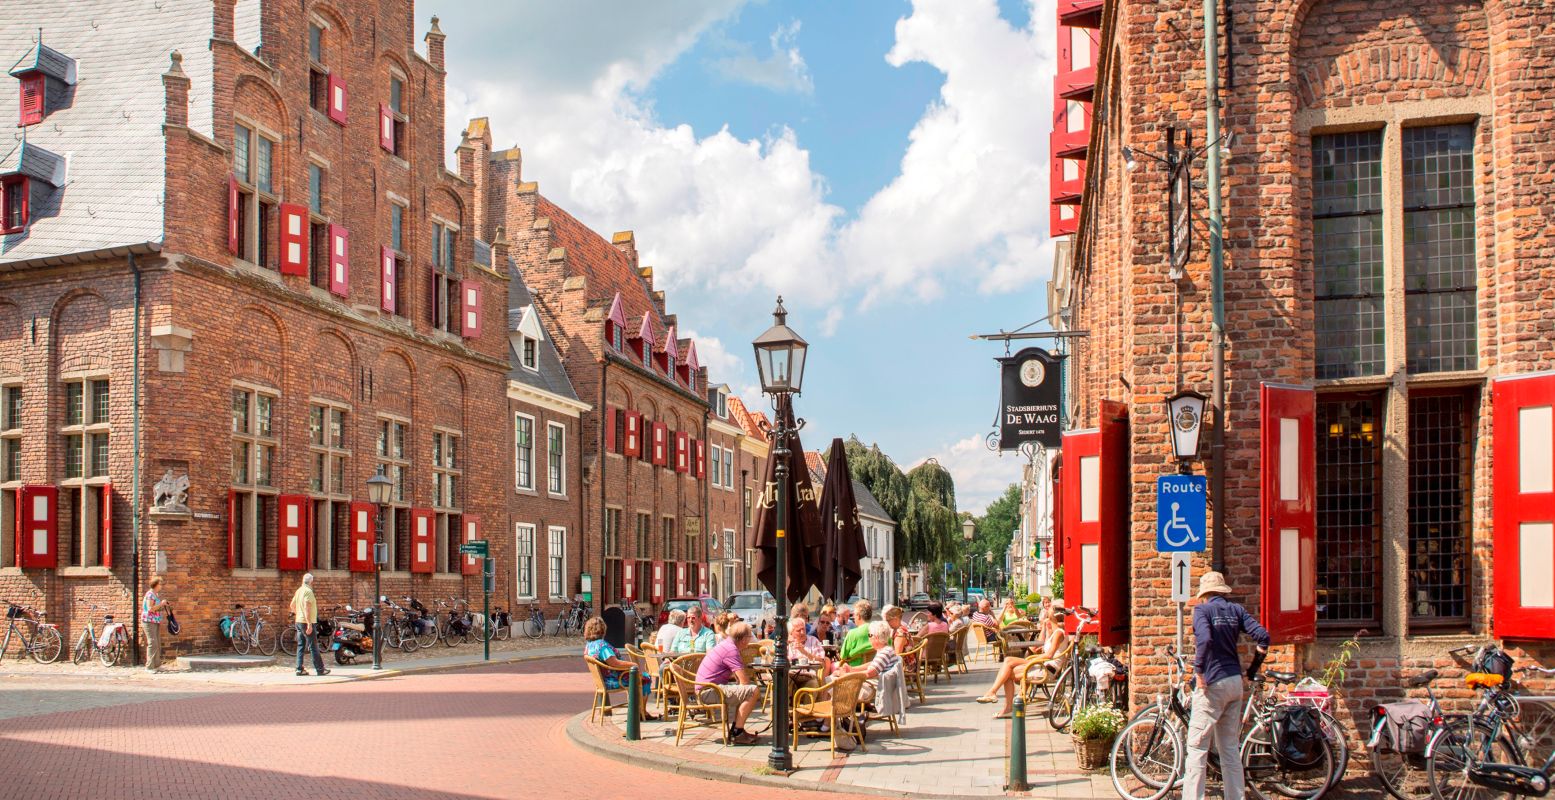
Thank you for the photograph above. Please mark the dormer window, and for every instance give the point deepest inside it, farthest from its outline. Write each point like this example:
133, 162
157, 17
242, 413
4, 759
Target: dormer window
13, 203
721, 404
18, 170
525, 335
41, 68
615, 324
528, 357
33, 92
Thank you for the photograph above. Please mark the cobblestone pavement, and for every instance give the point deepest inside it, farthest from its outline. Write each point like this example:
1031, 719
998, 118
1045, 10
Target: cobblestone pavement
492, 731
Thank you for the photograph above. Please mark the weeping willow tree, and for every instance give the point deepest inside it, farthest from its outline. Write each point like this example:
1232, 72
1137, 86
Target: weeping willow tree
873, 468
933, 527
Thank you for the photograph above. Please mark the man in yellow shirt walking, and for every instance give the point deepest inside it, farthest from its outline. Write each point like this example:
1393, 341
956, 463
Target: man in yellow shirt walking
305, 613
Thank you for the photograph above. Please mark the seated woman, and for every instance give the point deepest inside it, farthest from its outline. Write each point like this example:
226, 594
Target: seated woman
936, 623
600, 650
1054, 641
805, 650
885, 659
1009, 615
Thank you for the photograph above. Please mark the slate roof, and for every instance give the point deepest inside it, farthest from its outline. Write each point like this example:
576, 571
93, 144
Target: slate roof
551, 375
109, 125
867, 504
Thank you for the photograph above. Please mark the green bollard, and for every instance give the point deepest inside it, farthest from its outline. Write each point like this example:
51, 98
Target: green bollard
634, 700
1017, 771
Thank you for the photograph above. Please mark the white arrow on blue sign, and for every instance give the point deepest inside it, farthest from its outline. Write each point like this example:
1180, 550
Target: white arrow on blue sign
1180, 513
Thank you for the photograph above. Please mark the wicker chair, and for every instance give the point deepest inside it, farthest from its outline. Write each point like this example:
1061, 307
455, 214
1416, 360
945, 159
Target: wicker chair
602, 690
983, 638
835, 702
689, 664
689, 691
933, 658
914, 673
652, 672
1036, 679
959, 642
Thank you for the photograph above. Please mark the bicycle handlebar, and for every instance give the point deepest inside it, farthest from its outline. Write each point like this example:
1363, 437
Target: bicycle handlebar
1539, 670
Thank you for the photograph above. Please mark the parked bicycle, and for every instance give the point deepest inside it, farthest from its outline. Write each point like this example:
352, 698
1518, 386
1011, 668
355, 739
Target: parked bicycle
111, 644
1397, 745
571, 622
38, 637
1073, 689
249, 631
1482, 755
536, 621
1147, 759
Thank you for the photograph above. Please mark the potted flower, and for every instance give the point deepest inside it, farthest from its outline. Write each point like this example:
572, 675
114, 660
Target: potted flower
1093, 729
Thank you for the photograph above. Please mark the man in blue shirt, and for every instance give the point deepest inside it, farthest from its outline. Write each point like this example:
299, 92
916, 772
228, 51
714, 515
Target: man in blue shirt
1217, 706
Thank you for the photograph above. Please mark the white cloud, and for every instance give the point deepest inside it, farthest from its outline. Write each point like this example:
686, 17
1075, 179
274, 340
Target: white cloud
981, 475
781, 70
724, 366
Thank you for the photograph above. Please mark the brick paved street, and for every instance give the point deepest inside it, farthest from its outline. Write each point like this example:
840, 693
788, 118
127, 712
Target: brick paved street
484, 732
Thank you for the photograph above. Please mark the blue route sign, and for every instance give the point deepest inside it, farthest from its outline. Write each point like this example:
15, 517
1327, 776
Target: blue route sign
1180, 503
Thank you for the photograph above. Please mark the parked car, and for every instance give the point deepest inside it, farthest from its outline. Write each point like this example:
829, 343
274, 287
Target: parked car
919, 601
758, 609
710, 608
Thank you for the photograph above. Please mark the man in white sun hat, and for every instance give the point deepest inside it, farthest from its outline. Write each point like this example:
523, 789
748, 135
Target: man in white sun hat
1218, 623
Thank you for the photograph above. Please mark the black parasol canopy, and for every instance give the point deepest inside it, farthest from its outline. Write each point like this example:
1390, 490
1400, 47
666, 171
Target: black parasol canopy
845, 547
804, 533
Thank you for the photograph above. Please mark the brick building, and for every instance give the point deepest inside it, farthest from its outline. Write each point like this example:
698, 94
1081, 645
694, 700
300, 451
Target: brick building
230, 235
1388, 274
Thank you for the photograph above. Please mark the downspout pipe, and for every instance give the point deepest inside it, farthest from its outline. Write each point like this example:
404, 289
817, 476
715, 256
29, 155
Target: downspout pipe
604, 375
135, 470
1217, 279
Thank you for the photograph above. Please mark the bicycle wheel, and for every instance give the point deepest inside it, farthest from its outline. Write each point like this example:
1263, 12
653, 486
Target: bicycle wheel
1060, 710
1268, 777
242, 638
289, 640
1147, 758
536, 626
426, 635
1453, 749
406, 633
47, 645
266, 640
114, 652
505, 632
83, 649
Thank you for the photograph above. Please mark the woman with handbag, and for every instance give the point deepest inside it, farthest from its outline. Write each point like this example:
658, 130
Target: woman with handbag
152, 607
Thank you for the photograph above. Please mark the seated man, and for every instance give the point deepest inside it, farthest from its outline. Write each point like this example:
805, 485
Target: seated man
856, 642
723, 667
665, 638
984, 617
696, 638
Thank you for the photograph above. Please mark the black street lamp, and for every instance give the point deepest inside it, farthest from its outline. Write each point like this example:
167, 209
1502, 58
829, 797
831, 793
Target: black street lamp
379, 487
968, 530
780, 359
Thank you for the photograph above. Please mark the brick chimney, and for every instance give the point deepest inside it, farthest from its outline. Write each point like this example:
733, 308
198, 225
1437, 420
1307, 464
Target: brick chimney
435, 38
499, 250
223, 24
175, 84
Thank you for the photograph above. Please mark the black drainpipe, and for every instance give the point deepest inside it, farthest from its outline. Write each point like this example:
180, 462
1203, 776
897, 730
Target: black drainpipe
135, 474
604, 372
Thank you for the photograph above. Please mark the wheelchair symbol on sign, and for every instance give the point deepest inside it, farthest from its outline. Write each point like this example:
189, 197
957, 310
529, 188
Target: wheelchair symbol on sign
1177, 523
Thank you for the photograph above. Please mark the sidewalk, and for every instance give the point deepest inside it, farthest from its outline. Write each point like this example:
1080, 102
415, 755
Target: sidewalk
949, 747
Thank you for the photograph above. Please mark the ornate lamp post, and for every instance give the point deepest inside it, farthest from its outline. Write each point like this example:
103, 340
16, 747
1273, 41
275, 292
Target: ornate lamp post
968, 530
780, 359
379, 487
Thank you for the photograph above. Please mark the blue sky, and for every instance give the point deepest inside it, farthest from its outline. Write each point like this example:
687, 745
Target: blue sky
881, 163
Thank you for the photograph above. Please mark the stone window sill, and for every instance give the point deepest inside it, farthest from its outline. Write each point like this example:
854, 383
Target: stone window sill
84, 572
257, 573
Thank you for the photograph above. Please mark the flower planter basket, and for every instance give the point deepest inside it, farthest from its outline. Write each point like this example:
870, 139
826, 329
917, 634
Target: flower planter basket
1092, 753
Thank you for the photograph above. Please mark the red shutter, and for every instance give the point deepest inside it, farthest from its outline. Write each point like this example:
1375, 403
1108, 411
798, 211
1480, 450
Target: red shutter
1523, 482
385, 127
387, 280
634, 423
1057, 546
234, 218
107, 537
628, 580
423, 541
682, 452
292, 523
39, 519
1095, 508
34, 91
232, 529
660, 431
294, 239
610, 429
339, 260
658, 582
680, 577
362, 537
470, 523
699, 452
337, 99
470, 293
1288, 583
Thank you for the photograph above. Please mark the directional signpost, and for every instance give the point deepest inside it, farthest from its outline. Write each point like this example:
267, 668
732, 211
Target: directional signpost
1182, 577
1181, 503
481, 549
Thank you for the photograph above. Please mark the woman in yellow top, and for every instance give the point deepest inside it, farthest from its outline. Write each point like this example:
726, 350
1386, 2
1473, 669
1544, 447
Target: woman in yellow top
1010, 614
1014, 668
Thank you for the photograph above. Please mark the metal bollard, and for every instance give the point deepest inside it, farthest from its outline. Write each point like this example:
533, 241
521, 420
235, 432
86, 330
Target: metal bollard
634, 701
1017, 770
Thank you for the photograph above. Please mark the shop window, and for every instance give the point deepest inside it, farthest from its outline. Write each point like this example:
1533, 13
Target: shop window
1347, 253
1349, 517
1439, 244
1440, 502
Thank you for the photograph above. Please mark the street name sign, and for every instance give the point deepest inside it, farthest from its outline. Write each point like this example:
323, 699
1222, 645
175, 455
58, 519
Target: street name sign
1181, 503
474, 547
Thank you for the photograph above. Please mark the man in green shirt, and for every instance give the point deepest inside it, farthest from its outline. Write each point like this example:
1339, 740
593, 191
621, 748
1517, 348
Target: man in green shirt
305, 615
695, 638
856, 643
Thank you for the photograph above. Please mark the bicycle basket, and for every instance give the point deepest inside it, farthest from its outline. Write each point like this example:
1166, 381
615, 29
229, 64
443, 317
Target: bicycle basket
1298, 737
226, 627
1496, 662
16, 612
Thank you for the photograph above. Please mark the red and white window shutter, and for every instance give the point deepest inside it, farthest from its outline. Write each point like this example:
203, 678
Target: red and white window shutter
385, 127
34, 96
682, 452
38, 526
699, 449
659, 431
107, 538
1094, 504
629, 580
423, 556
339, 260
292, 523
702, 578
294, 239
337, 99
1288, 462
234, 216
471, 525
634, 439
658, 582
1523, 485
362, 537
388, 279
470, 303
680, 577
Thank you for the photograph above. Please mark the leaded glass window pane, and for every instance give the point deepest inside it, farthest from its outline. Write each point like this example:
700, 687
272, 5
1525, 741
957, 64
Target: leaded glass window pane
1439, 242
1347, 253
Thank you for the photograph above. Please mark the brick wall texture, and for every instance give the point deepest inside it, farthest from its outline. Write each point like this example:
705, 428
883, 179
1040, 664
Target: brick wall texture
1299, 67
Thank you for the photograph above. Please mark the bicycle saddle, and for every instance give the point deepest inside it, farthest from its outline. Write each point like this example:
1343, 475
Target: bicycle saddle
1281, 677
237, 605
1422, 679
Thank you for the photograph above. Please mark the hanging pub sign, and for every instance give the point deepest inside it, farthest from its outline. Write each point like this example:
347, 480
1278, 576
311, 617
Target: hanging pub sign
1030, 398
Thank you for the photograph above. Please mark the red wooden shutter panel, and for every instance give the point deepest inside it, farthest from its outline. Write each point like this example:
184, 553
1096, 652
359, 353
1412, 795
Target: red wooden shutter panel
39, 527
360, 559
470, 303
234, 217
470, 523
682, 452
1523, 482
337, 99
232, 529
294, 239
659, 435
34, 94
680, 577
339, 260
699, 452
657, 595
385, 127
628, 580
1288, 563
387, 280
107, 536
610, 429
423, 541
292, 523
634, 440
1095, 521
702, 578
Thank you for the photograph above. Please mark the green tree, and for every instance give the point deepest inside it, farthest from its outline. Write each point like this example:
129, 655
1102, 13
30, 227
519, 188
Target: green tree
995, 528
873, 468
934, 527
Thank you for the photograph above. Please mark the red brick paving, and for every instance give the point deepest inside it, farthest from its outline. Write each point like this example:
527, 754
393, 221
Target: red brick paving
488, 732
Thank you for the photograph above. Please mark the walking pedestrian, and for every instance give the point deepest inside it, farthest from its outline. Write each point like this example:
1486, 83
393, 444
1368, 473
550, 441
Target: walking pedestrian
305, 615
1218, 623
152, 607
